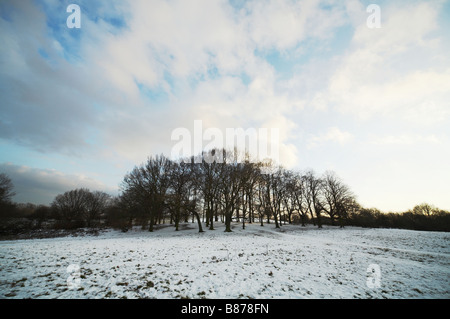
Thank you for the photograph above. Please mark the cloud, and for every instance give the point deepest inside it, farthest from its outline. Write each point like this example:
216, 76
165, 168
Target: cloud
167, 47
333, 135
40, 186
113, 91
283, 25
77, 91
47, 102
405, 139
394, 70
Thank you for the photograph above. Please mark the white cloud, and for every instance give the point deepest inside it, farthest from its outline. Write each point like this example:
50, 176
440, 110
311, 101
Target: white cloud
391, 71
333, 135
209, 62
40, 186
194, 51
282, 25
407, 139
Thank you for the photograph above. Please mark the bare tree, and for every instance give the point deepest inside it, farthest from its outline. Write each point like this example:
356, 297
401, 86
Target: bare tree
273, 191
148, 185
71, 206
120, 213
180, 178
260, 204
230, 186
338, 198
81, 206
314, 196
191, 204
299, 196
289, 184
424, 209
96, 204
6, 189
207, 176
250, 176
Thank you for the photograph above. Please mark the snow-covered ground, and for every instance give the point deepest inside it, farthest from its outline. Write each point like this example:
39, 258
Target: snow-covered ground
258, 262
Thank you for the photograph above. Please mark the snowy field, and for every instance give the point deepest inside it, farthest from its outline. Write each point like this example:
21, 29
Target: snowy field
259, 262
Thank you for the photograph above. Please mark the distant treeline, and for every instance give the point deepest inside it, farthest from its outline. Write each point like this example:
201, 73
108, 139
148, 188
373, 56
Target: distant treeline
421, 217
207, 191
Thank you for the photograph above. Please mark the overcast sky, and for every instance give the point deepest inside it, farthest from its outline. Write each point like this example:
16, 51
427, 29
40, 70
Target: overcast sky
82, 107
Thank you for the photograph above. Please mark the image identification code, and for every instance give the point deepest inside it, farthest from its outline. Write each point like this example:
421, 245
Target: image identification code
242, 308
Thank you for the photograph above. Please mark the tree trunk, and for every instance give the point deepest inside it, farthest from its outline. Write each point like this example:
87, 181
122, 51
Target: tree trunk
211, 215
199, 222
276, 220
228, 221
207, 213
177, 223
152, 222
289, 216
250, 210
319, 221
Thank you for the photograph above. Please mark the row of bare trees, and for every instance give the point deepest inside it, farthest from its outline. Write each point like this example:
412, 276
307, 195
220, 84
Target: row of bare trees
235, 188
208, 190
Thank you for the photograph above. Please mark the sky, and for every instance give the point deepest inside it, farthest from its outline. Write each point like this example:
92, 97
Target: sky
81, 107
